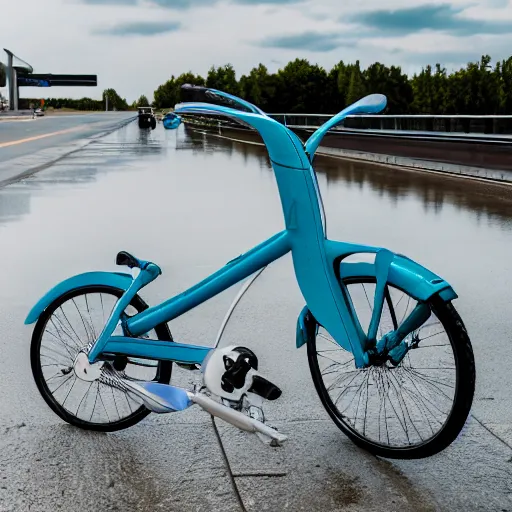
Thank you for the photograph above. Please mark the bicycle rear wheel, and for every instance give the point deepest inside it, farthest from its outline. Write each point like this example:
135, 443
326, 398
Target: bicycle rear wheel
67, 326
410, 411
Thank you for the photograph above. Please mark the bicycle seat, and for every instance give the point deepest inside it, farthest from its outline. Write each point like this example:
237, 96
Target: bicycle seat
125, 258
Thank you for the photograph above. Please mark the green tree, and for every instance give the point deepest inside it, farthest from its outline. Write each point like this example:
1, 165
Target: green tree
114, 100
356, 86
224, 79
142, 101
506, 86
303, 87
164, 96
391, 82
259, 87
168, 94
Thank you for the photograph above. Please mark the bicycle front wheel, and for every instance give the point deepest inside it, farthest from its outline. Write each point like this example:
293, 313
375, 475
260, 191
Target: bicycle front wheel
66, 327
413, 410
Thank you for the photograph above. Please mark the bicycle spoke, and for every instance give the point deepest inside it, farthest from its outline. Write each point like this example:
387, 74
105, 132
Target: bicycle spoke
71, 327
400, 406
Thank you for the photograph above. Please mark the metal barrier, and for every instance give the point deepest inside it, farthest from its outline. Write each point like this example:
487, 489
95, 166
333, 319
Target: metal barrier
388, 124
482, 124
476, 154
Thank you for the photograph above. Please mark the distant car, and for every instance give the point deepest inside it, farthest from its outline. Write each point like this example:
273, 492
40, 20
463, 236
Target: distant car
38, 112
146, 118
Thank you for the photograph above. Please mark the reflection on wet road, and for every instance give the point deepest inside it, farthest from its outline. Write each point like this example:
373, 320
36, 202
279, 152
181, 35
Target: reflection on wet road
190, 202
22, 138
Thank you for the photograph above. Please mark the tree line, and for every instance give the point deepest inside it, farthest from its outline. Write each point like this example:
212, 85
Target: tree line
303, 87
115, 102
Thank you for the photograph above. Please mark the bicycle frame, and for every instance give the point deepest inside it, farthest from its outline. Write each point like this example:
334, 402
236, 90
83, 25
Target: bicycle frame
318, 261
233, 272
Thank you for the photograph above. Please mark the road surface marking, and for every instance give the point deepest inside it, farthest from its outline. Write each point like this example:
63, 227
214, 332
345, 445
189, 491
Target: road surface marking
37, 137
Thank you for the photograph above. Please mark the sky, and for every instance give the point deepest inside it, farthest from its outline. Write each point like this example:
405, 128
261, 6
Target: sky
135, 45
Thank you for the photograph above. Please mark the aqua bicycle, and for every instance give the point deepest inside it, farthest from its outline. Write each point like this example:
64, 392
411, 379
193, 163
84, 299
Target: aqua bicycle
390, 357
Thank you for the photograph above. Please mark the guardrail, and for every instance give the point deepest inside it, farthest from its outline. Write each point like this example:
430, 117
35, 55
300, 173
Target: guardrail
213, 121
475, 154
481, 124
407, 124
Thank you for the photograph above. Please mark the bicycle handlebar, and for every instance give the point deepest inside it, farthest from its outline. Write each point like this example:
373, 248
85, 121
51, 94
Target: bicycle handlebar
371, 104
283, 145
199, 94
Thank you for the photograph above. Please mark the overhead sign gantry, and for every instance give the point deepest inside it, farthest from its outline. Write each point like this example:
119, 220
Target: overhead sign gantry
21, 74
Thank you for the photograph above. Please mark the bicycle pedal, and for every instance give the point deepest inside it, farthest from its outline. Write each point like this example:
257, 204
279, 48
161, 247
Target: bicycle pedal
264, 388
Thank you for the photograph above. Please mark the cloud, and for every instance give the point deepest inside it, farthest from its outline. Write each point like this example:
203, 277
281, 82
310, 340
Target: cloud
444, 58
312, 41
498, 4
244, 34
110, 2
182, 5
268, 2
436, 17
140, 28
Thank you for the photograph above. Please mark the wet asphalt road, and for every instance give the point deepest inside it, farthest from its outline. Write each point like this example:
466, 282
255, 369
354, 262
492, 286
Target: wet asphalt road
191, 202
50, 137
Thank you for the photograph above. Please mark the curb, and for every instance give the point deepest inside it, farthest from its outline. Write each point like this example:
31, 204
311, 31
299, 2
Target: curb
16, 118
463, 171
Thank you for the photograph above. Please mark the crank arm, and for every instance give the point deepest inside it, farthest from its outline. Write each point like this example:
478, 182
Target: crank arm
236, 418
164, 398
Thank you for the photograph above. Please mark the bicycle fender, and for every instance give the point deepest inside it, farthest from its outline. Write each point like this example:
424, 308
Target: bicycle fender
419, 282
116, 279
306, 327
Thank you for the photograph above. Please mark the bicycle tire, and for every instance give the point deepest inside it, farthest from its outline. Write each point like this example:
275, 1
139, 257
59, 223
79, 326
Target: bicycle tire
164, 369
464, 392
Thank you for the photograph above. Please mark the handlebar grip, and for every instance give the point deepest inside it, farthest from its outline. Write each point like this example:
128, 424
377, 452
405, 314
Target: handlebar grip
200, 94
371, 104
125, 258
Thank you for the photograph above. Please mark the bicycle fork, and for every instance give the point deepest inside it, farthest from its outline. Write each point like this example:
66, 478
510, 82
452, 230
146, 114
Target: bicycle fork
392, 345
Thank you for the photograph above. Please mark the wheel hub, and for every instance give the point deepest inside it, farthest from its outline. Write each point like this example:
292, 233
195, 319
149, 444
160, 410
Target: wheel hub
376, 359
85, 370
